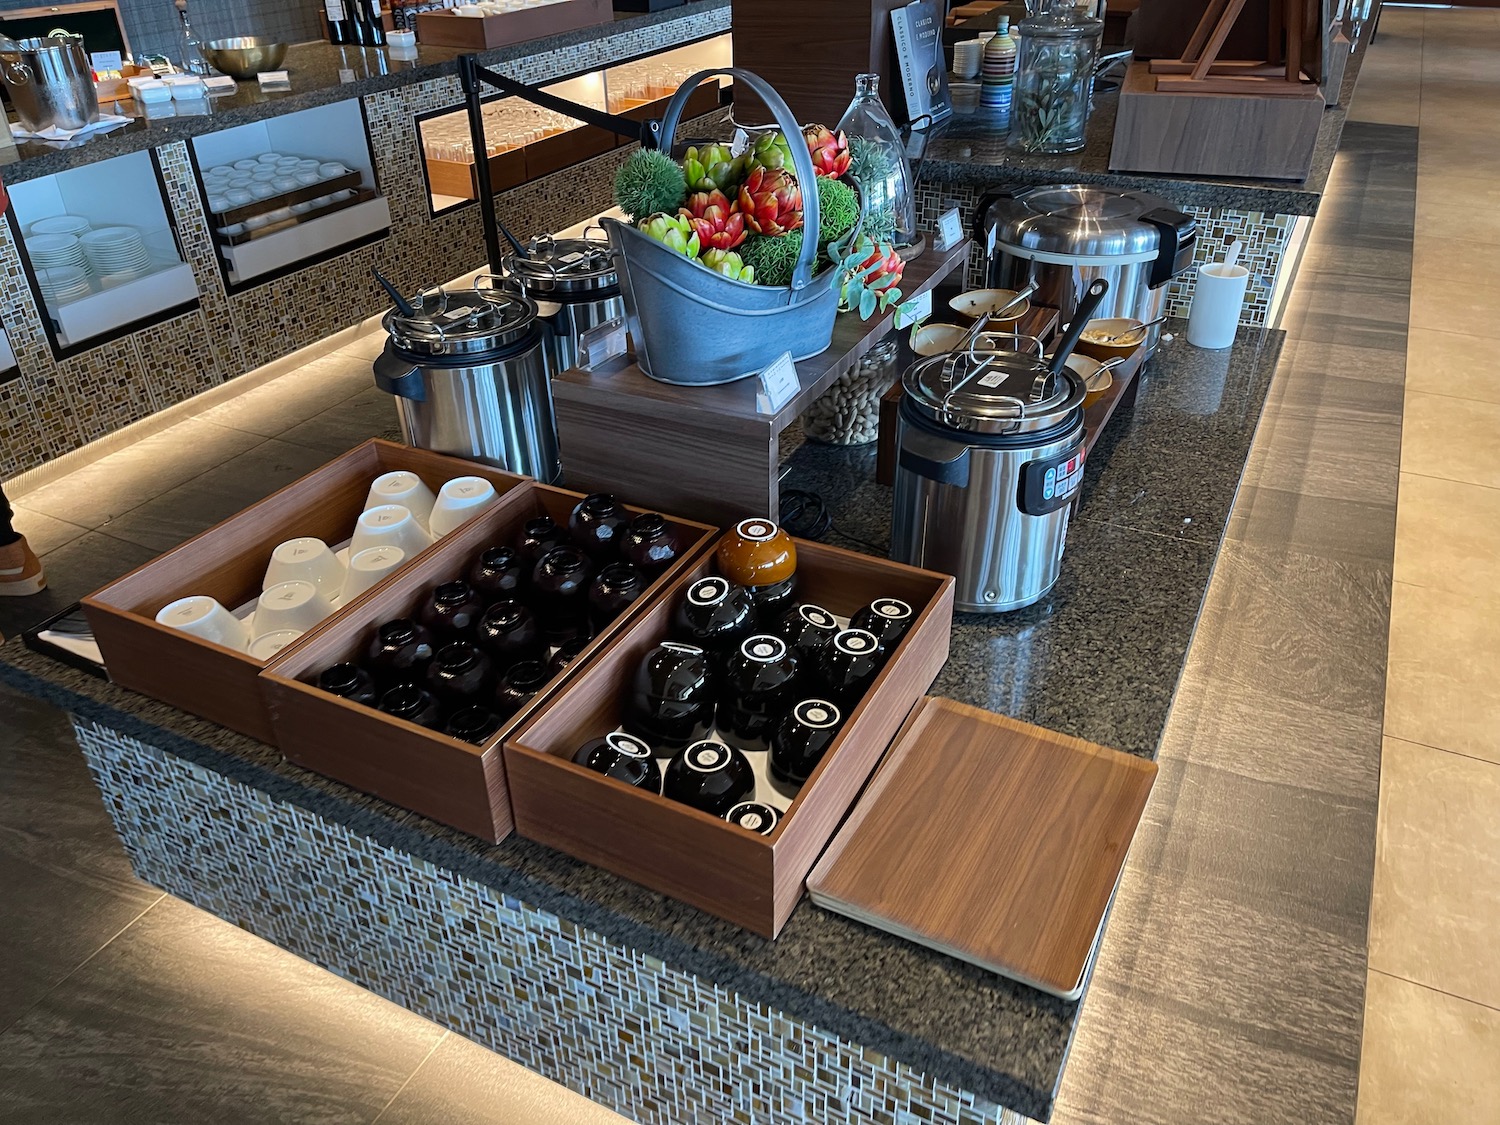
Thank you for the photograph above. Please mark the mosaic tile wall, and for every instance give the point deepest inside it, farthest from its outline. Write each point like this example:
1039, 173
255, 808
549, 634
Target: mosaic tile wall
1265, 237
654, 1043
55, 406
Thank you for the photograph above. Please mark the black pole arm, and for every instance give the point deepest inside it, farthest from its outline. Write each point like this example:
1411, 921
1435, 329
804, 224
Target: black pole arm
648, 133
468, 79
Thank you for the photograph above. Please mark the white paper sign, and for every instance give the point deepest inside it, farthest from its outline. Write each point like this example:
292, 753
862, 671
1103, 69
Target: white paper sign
220, 84
106, 60
779, 385
273, 79
950, 230
914, 311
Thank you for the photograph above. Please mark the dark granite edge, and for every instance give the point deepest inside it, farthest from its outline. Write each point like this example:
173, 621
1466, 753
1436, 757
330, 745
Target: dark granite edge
168, 130
1270, 197
259, 766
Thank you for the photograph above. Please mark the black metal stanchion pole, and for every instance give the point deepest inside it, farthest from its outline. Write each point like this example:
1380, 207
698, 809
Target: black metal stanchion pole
468, 77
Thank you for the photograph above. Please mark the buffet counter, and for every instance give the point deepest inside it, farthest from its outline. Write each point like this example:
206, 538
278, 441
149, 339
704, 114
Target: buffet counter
641, 1002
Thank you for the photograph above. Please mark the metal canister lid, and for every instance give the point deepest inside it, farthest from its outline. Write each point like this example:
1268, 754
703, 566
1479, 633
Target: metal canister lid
992, 392
1077, 219
463, 321
563, 265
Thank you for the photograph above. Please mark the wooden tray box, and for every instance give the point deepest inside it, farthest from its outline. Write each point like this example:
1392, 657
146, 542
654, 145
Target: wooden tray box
753, 881
454, 782
565, 149
228, 562
447, 29
456, 177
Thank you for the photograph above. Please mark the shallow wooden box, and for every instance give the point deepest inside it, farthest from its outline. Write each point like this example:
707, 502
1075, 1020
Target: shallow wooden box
447, 29
753, 881
454, 782
456, 177
228, 562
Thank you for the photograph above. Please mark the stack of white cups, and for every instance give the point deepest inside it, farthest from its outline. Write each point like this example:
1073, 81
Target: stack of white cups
306, 581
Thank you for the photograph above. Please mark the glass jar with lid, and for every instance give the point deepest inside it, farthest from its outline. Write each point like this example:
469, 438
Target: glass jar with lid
879, 166
1054, 79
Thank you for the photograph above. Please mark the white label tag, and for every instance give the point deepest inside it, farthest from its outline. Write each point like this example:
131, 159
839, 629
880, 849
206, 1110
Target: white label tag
779, 385
602, 342
106, 60
346, 76
220, 84
914, 311
740, 142
950, 230
273, 79
994, 379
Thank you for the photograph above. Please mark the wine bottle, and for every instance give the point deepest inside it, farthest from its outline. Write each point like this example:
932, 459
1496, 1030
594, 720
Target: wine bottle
369, 31
340, 26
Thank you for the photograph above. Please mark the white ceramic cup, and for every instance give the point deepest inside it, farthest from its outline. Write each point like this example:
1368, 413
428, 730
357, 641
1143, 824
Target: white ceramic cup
290, 606
1218, 296
389, 525
404, 488
204, 617
266, 646
369, 567
309, 560
459, 501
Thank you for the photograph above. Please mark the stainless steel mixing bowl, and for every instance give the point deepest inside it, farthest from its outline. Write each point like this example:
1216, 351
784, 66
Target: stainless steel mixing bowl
245, 56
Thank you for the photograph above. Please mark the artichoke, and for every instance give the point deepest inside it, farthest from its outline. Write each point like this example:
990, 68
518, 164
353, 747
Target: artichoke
673, 232
838, 210
649, 181
714, 218
713, 168
829, 150
771, 201
768, 150
772, 258
729, 264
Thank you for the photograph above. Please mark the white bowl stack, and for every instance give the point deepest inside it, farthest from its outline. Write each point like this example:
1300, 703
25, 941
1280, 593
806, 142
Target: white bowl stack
117, 253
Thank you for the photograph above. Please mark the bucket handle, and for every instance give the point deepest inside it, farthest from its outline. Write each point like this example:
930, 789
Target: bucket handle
801, 158
10, 70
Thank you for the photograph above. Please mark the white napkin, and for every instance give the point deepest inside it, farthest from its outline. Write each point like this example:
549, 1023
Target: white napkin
54, 133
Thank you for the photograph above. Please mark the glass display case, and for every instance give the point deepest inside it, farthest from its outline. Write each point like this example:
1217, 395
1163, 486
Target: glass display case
525, 142
289, 191
100, 250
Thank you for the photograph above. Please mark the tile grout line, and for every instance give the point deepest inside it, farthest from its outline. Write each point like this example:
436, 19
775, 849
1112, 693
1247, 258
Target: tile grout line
441, 1039
1439, 991
1441, 749
71, 973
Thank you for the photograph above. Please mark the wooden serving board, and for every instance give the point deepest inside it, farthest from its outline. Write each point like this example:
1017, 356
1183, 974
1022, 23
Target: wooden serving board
991, 840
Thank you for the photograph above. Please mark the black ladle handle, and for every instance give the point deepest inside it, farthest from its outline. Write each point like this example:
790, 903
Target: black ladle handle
403, 306
1081, 316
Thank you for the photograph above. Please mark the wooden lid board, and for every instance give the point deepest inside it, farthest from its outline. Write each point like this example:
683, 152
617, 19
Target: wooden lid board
991, 840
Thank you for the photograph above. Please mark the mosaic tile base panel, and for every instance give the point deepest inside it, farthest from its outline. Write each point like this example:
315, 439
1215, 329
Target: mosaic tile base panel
1265, 237
55, 406
656, 1044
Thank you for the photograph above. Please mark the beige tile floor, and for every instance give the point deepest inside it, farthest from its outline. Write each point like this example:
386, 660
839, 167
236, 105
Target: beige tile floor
1432, 1015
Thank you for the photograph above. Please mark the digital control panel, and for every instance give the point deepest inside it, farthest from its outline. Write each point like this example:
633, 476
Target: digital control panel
1049, 484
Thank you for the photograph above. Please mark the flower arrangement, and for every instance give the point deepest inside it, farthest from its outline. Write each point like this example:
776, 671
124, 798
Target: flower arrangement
740, 214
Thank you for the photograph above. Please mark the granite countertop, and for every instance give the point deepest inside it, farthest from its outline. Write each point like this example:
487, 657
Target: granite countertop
1099, 658
320, 73
972, 151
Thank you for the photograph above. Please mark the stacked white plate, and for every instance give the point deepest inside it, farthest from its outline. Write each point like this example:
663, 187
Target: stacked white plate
55, 251
60, 224
65, 283
117, 253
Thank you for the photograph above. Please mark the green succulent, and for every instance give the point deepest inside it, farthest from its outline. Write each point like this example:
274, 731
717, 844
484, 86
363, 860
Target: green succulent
871, 165
713, 168
649, 181
672, 232
770, 151
838, 210
772, 257
730, 264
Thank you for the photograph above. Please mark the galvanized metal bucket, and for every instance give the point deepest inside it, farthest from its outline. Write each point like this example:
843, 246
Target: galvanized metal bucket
692, 326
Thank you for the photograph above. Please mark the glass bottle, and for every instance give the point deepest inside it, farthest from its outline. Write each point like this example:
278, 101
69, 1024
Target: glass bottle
879, 166
1054, 80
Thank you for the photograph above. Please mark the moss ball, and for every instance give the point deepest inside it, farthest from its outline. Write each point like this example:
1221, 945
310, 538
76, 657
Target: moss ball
648, 182
774, 257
